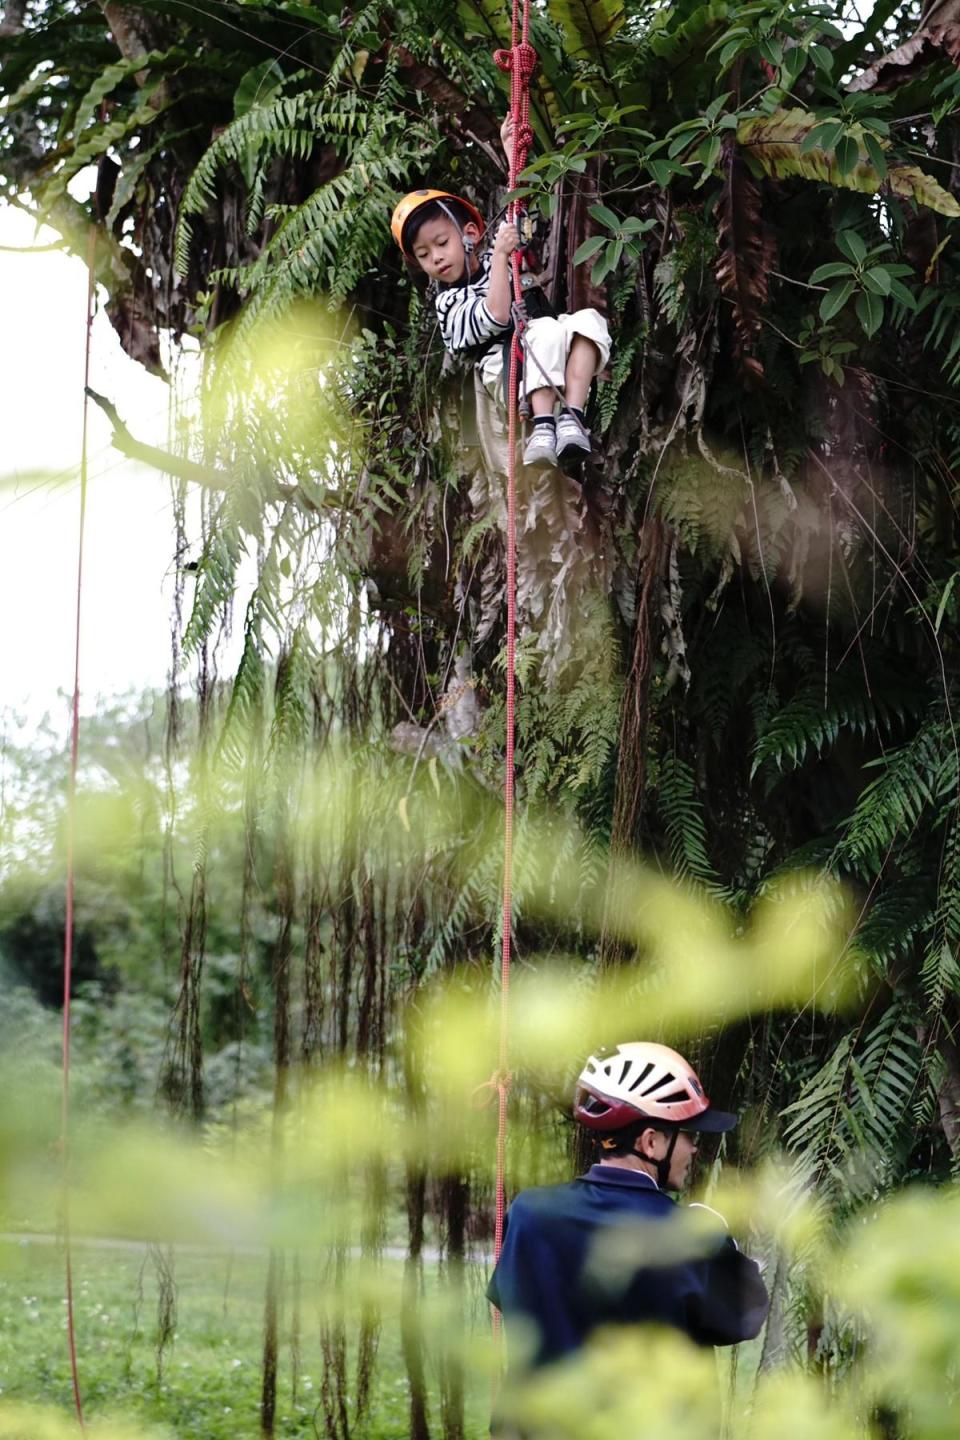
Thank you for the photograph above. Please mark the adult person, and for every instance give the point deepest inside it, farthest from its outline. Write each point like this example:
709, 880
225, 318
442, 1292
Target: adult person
612, 1247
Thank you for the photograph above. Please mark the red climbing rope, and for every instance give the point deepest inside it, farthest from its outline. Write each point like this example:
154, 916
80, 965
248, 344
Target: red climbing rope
71, 827
520, 61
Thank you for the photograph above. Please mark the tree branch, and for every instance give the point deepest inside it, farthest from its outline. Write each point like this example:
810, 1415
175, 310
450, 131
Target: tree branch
195, 474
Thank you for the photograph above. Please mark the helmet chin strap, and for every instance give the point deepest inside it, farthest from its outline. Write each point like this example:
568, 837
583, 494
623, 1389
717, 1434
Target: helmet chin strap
663, 1166
467, 241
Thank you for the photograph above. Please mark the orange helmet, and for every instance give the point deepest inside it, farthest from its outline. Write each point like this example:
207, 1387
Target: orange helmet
417, 198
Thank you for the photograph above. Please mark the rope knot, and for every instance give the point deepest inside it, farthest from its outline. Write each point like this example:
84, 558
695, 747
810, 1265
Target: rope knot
498, 1086
525, 60
503, 59
525, 139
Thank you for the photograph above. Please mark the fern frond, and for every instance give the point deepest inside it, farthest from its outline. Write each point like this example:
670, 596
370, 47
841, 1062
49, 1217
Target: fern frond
215, 577
849, 1120
682, 813
97, 142
891, 925
291, 708
284, 125
890, 807
807, 725
114, 75
939, 974
246, 695
131, 172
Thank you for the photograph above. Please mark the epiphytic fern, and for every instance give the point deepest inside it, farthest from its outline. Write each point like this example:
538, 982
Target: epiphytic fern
891, 925
890, 807
215, 575
849, 1127
812, 720
681, 810
134, 119
285, 125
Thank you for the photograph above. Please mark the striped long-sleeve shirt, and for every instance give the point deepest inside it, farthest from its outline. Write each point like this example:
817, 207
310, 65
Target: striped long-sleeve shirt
464, 315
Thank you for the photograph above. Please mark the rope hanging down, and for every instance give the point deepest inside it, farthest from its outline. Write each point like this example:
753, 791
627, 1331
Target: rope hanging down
520, 62
71, 829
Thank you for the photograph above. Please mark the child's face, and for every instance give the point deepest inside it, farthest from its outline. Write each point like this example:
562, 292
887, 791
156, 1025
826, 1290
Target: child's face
438, 249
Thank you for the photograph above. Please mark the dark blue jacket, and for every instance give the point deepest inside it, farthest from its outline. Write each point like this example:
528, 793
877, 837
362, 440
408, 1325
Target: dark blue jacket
610, 1248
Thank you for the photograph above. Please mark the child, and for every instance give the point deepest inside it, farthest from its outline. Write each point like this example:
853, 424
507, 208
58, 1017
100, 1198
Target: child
440, 232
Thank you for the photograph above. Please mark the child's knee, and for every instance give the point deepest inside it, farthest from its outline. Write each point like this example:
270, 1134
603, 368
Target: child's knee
546, 330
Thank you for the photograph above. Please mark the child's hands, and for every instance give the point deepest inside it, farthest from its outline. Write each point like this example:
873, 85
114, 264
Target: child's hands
507, 240
506, 138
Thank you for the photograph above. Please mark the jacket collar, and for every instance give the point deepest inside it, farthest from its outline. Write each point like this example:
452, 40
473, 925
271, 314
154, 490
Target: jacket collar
619, 1175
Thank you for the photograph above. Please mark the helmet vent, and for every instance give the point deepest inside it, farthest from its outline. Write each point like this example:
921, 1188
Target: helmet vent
642, 1076
659, 1084
675, 1098
595, 1106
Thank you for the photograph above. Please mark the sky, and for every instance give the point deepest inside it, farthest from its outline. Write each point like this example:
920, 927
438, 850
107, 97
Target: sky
129, 538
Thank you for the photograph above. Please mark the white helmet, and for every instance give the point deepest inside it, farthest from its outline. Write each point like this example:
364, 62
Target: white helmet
644, 1081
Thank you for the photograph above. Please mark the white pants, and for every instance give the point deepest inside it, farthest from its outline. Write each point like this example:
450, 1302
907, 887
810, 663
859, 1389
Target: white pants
547, 343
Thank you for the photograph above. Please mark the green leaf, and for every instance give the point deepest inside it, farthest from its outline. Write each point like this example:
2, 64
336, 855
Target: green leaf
794, 64
847, 152
944, 601
852, 245
822, 58
678, 144
829, 271
875, 154
825, 134
601, 269
606, 217
835, 299
869, 310
108, 80
877, 280
257, 86
589, 248
663, 171
901, 294
708, 154
716, 105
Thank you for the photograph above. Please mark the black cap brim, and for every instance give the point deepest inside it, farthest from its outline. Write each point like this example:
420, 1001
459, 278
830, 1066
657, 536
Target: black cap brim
710, 1122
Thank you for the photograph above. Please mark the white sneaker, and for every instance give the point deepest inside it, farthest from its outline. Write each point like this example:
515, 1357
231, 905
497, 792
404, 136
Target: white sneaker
541, 449
573, 442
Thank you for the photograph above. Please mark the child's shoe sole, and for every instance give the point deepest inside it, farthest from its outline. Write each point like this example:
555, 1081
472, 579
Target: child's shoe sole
571, 459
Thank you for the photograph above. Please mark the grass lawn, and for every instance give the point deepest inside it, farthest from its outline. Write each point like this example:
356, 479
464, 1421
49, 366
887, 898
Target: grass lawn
209, 1384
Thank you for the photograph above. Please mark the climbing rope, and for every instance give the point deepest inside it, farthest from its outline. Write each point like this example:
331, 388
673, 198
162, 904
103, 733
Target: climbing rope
520, 62
71, 832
